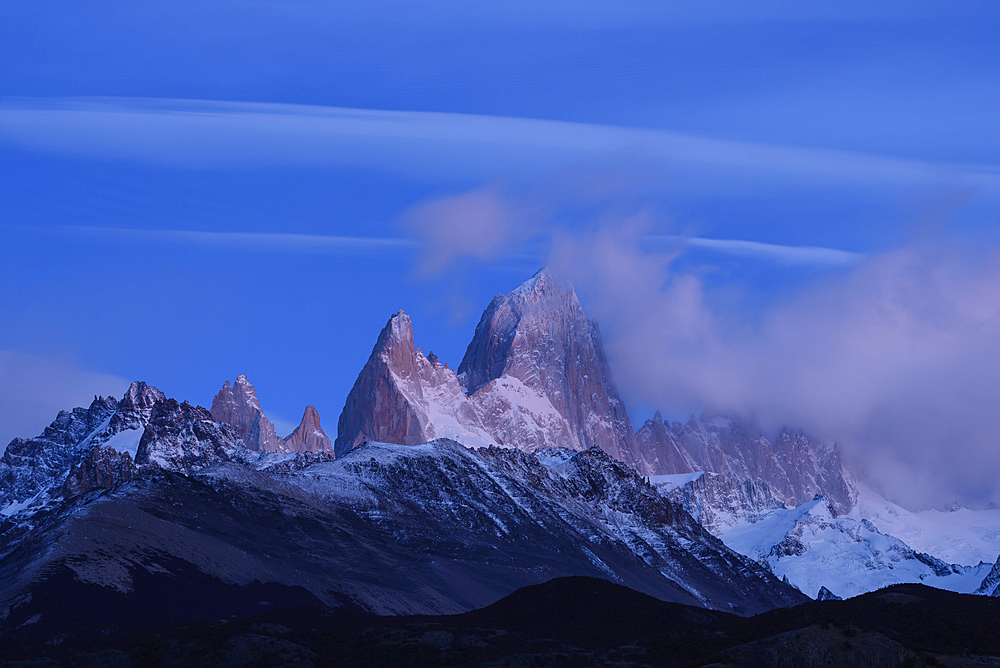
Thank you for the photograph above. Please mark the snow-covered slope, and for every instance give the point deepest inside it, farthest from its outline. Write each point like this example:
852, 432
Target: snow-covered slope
960, 536
184, 438
717, 501
813, 548
518, 415
429, 528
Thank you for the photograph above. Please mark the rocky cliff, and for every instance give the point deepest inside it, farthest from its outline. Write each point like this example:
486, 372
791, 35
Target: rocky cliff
402, 396
308, 436
237, 405
717, 501
539, 335
795, 467
184, 438
106, 468
33, 470
534, 376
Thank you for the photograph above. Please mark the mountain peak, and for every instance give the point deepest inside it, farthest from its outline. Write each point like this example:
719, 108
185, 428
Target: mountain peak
539, 335
395, 343
237, 405
140, 395
544, 287
400, 392
309, 435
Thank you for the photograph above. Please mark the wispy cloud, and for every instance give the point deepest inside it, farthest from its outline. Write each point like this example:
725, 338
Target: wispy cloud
428, 145
488, 223
267, 242
780, 254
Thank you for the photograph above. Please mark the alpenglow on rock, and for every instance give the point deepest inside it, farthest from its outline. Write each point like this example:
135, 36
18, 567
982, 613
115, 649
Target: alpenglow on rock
795, 467
539, 335
309, 435
237, 406
402, 396
534, 376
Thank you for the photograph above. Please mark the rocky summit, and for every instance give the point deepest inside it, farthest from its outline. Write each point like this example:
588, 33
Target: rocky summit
403, 396
535, 375
308, 436
237, 406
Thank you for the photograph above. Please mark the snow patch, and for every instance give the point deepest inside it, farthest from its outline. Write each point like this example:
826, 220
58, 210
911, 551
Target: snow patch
126, 441
674, 480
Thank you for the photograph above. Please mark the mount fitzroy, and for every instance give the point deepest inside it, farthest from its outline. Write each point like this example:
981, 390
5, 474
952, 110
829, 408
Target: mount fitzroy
535, 375
444, 490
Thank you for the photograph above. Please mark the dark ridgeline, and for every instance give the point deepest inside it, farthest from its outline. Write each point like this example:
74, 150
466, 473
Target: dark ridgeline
574, 621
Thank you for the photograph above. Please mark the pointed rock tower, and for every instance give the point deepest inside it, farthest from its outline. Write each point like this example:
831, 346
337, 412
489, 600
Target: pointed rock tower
535, 375
237, 405
309, 435
403, 396
539, 335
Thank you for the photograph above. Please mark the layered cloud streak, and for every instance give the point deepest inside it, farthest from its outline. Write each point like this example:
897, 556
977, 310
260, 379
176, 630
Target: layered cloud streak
433, 146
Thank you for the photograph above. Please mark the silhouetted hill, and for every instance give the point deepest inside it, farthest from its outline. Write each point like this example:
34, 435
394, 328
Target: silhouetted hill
573, 621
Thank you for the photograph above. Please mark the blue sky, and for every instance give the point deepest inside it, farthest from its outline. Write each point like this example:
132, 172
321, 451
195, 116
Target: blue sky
193, 190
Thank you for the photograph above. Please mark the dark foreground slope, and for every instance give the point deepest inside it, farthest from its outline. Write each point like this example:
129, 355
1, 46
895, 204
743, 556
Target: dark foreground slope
577, 621
429, 529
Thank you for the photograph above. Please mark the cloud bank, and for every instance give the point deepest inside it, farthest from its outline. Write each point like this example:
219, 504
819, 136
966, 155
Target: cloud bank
895, 355
898, 359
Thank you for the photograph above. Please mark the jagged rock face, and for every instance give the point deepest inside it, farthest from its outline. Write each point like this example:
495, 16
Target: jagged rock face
660, 450
827, 595
402, 396
106, 468
725, 445
32, 471
540, 335
184, 438
795, 468
308, 436
719, 502
991, 583
31, 467
237, 405
809, 467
